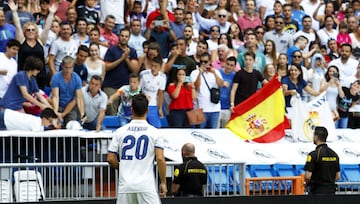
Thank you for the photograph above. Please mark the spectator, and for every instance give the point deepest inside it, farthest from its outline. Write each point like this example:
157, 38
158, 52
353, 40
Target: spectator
269, 23
245, 81
270, 52
298, 13
146, 59
316, 72
201, 48
8, 65
269, 72
32, 41
223, 52
249, 19
126, 93
107, 31
94, 65
355, 42
350, 98
139, 180
237, 36
79, 66
343, 36
282, 39
333, 53
282, 66
188, 19
213, 38
354, 111
89, 12
329, 11
23, 85
300, 45
307, 32
291, 25
71, 17
116, 16
62, 12
328, 32
162, 11
294, 84
137, 13
191, 44
95, 102
7, 31
136, 39
221, 21
81, 35
24, 15
227, 72
178, 25
251, 46
352, 24
121, 60
322, 166
260, 31
190, 176
205, 78
182, 92
66, 93
152, 84
347, 65
95, 38
63, 46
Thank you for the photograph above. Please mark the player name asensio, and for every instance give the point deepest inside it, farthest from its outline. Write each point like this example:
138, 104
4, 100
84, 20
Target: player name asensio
136, 128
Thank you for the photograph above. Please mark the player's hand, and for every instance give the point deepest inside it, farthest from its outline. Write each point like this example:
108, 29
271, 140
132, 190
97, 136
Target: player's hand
163, 190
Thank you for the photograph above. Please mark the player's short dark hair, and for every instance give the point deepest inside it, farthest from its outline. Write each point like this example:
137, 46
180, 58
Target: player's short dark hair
33, 63
321, 133
48, 113
139, 105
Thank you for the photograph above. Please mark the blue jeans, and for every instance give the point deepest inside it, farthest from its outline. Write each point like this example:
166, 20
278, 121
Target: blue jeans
212, 120
178, 119
91, 125
342, 122
2, 119
153, 117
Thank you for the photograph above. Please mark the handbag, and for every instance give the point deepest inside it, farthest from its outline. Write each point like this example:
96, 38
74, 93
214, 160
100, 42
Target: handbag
214, 93
195, 116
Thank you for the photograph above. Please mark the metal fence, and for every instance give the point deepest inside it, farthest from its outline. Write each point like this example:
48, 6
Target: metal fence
74, 167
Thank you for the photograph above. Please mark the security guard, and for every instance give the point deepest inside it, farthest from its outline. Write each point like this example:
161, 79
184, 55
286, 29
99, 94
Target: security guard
322, 166
190, 177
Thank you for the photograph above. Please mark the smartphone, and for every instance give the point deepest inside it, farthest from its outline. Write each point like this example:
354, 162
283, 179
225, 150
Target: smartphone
336, 75
187, 79
159, 23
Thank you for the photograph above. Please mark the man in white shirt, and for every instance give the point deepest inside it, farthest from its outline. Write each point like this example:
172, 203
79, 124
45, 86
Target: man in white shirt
132, 151
347, 66
205, 78
136, 39
8, 65
307, 31
15, 120
152, 84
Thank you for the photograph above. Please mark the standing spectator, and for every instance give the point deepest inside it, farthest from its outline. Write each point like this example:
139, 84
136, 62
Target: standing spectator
95, 102
188, 19
95, 38
138, 183
63, 46
310, 7
354, 111
300, 45
126, 93
94, 65
322, 166
136, 39
190, 177
201, 48
24, 15
7, 31
81, 35
23, 85
191, 44
182, 92
153, 84
61, 13
298, 13
8, 65
334, 51
227, 72
79, 66
117, 15
89, 12
137, 13
350, 98
178, 25
328, 32
355, 42
71, 17
251, 46
66, 93
249, 19
282, 66
260, 31
269, 72
32, 41
237, 36
329, 11
146, 59
221, 21
213, 38
160, 11
121, 60
205, 78
245, 81
307, 32
343, 36
270, 52
347, 66
107, 31
291, 25
282, 39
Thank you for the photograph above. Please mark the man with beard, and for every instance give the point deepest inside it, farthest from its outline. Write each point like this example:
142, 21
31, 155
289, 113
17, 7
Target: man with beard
121, 61
306, 31
136, 39
179, 58
178, 25
347, 66
191, 44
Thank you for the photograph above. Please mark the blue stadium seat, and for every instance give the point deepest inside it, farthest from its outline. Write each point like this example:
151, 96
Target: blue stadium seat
300, 169
264, 171
111, 122
219, 178
284, 170
351, 172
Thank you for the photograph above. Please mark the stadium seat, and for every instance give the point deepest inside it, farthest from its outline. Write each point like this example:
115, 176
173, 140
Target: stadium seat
6, 191
284, 170
264, 171
219, 180
300, 169
111, 122
351, 172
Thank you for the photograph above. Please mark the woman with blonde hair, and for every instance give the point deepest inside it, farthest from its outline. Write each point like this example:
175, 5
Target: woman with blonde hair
32, 43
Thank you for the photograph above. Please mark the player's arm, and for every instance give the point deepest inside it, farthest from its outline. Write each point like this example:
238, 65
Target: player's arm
112, 160
160, 159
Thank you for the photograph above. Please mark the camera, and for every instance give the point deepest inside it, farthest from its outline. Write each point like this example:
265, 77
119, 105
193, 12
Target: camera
158, 23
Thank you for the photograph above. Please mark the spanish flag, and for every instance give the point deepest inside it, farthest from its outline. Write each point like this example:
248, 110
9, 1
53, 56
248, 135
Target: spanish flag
261, 117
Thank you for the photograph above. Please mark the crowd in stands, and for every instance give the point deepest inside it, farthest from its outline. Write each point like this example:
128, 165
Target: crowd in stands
87, 58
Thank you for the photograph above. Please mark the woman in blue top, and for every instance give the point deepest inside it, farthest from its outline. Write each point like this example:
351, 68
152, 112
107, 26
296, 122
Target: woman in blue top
294, 84
23, 85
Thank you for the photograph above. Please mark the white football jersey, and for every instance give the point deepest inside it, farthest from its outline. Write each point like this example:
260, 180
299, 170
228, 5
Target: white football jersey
135, 144
150, 85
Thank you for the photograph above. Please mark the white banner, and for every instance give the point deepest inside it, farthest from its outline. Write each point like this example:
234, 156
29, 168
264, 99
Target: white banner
306, 116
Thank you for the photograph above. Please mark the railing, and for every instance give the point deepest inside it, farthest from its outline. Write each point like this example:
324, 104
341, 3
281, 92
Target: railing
291, 185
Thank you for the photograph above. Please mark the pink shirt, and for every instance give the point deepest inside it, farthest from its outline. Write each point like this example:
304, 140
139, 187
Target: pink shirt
62, 9
245, 22
111, 38
217, 65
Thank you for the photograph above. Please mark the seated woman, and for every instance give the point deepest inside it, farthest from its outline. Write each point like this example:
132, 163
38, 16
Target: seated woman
182, 93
